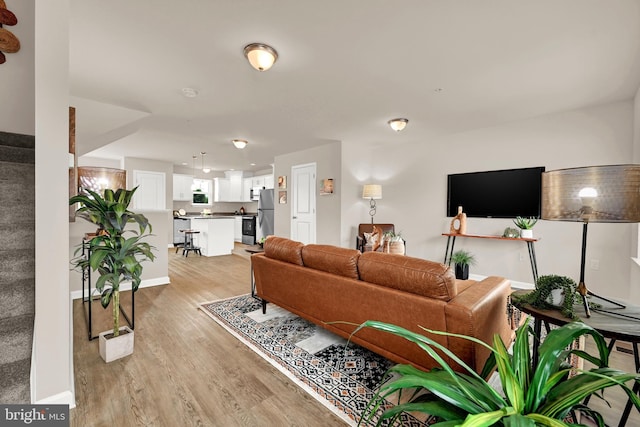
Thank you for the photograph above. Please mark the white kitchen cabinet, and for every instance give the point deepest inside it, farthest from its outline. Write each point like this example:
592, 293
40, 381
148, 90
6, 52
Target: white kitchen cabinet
258, 181
247, 184
268, 181
235, 185
237, 229
222, 190
182, 187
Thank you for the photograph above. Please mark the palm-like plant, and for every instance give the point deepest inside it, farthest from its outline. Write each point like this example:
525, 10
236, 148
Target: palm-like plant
116, 258
539, 394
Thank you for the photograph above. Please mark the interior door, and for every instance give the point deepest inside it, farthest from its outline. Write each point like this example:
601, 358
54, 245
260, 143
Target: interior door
303, 220
151, 192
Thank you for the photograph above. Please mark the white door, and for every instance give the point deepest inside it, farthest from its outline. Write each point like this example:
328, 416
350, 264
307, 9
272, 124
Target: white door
303, 200
151, 192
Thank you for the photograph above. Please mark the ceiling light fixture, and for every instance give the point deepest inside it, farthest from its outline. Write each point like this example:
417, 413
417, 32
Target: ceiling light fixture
189, 92
205, 170
260, 56
239, 143
398, 124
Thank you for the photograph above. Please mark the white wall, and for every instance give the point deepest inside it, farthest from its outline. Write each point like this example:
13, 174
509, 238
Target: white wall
328, 161
17, 89
414, 192
53, 363
635, 239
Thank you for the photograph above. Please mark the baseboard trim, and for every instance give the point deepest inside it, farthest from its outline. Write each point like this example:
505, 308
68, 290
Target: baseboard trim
156, 281
64, 398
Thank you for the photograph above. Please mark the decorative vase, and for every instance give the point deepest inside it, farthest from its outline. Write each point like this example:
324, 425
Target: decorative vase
459, 223
462, 271
113, 348
396, 247
526, 234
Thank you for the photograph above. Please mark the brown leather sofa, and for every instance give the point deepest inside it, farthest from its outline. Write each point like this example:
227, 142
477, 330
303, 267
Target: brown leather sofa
325, 283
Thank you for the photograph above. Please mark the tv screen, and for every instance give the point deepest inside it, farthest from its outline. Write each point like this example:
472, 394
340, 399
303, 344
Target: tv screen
496, 194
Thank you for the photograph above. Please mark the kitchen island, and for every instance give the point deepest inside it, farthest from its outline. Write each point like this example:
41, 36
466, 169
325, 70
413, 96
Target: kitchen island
216, 234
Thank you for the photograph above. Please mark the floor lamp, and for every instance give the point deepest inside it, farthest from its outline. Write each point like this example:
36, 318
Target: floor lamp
592, 194
372, 192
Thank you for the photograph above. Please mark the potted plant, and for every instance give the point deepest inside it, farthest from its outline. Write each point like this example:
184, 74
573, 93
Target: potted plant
115, 256
393, 243
462, 260
553, 292
532, 394
526, 226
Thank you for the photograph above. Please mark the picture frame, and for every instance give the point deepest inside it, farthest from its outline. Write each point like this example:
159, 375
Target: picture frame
282, 197
282, 182
327, 187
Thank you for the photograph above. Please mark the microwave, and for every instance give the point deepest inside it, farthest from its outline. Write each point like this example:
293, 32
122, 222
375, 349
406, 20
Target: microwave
200, 198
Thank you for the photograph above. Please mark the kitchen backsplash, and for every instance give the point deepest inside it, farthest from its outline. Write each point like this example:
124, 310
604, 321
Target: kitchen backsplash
218, 207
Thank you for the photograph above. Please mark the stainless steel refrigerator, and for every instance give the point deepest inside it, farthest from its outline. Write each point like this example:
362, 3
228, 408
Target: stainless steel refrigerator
265, 214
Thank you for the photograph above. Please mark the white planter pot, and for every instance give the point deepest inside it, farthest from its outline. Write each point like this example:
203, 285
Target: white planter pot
114, 348
556, 298
526, 234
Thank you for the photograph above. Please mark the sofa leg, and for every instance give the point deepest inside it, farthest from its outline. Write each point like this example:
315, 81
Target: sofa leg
264, 306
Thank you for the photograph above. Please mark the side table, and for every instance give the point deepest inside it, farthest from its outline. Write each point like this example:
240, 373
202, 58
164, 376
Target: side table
254, 250
612, 326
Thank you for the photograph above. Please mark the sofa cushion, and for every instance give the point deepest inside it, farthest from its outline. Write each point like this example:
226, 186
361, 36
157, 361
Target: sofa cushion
283, 250
418, 276
332, 259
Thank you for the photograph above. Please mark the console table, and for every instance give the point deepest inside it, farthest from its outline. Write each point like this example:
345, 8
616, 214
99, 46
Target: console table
89, 298
612, 324
451, 241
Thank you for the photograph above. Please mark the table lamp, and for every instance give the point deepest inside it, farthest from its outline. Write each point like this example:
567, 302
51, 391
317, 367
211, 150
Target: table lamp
372, 192
592, 194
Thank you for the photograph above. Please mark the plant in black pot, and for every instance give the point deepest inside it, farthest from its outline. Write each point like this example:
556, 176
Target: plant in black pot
462, 260
116, 253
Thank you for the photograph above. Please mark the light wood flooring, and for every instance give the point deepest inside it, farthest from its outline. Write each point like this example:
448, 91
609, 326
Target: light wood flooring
188, 371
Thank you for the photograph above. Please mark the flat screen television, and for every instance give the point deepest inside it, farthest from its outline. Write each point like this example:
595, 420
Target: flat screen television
496, 194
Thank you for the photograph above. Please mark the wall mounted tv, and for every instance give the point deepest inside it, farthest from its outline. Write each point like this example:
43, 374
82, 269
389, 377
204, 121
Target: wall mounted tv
496, 194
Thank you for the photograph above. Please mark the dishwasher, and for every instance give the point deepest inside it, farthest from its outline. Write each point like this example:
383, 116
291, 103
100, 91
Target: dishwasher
180, 223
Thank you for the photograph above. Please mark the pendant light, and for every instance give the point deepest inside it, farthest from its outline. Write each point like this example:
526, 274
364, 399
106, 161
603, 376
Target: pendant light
205, 170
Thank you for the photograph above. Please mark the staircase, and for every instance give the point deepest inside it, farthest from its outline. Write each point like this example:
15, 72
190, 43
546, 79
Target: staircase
17, 265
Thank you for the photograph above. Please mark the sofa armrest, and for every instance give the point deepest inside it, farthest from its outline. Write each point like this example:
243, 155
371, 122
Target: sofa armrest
480, 311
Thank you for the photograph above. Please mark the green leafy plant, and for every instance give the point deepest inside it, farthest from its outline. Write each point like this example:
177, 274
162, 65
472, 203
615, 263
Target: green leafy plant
525, 223
463, 257
539, 297
511, 232
114, 256
532, 395
391, 236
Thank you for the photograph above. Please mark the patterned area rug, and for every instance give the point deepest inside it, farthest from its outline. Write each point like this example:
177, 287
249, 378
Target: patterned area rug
342, 377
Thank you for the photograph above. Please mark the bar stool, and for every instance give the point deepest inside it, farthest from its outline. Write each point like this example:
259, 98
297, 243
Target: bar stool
189, 244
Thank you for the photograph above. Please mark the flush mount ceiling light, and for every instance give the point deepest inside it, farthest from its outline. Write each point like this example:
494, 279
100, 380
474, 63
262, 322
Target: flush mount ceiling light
205, 170
189, 92
260, 56
239, 143
398, 124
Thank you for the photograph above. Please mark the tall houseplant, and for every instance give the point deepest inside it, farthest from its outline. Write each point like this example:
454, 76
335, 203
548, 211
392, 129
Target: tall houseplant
116, 253
532, 395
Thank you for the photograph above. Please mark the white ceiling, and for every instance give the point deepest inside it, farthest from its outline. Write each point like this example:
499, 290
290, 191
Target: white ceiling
345, 68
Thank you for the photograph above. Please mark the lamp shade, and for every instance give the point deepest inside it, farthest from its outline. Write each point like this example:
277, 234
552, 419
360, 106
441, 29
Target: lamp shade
594, 194
372, 191
260, 56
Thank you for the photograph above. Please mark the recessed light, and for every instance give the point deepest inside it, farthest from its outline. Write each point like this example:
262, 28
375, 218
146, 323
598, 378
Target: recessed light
189, 92
184, 163
252, 164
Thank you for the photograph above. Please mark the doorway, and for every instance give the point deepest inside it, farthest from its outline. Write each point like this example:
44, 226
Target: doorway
303, 220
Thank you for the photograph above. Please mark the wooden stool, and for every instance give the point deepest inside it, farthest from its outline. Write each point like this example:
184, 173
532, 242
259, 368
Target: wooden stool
188, 242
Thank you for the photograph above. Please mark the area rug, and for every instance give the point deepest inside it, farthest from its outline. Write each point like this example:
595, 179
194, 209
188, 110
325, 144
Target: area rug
342, 376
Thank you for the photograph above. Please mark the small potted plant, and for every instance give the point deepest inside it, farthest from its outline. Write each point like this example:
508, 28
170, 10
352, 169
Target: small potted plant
115, 256
462, 260
553, 292
393, 243
526, 226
